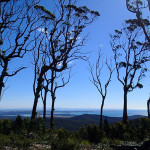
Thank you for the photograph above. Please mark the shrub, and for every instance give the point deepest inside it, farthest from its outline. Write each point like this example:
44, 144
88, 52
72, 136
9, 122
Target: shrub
117, 130
4, 140
63, 134
82, 132
1, 126
67, 144
18, 124
37, 125
7, 126
106, 127
94, 134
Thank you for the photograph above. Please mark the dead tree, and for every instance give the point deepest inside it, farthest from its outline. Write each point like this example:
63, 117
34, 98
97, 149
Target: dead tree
52, 84
97, 81
55, 85
52, 80
130, 55
17, 23
59, 42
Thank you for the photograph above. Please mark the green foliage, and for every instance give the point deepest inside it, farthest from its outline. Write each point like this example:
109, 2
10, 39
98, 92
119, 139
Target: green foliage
93, 133
7, 126
1, 126
4, 140
37, 125
85, 138
63, 134
106, 128
19, 141
18, 124
63, 140
68, 144
82, 132
118, 129
52, 16
26, 123
144, 128
82, 9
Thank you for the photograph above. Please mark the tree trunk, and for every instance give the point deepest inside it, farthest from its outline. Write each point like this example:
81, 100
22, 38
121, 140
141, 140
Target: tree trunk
101, 114
34, 106
148, 4
44, 69
37, 93
4, 72
44, 110
52, 111
53, 99
148, 111
125, 117
1, 85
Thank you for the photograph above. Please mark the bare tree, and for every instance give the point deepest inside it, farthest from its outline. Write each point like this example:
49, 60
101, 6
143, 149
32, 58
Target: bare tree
55, 85
59, 42
52, 80
98, 81
52, 84
130, 56
17, 23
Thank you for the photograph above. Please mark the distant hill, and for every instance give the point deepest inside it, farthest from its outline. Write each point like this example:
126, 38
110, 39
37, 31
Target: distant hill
74, 123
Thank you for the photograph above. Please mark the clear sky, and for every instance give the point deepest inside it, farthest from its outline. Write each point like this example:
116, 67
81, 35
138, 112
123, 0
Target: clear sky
80, 93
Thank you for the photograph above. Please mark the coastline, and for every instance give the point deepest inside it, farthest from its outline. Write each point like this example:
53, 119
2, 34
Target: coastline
72, 113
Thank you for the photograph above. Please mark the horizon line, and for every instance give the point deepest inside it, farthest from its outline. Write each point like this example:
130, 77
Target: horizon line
59, 108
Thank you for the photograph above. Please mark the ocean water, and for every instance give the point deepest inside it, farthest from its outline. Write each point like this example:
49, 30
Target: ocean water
71, 113
106, 112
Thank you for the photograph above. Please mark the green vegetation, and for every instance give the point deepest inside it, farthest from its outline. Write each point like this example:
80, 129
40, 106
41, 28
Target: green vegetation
18, 134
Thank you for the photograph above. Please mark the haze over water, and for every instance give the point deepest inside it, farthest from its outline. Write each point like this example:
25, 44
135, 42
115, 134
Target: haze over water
74, 112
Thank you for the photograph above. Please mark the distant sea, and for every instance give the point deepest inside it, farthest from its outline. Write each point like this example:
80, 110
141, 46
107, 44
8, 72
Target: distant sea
70, 113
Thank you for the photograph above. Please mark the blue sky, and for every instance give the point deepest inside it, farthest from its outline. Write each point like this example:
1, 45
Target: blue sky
80, 93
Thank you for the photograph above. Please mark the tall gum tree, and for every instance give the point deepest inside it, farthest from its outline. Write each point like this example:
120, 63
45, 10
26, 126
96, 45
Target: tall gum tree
140, 9
98, 81
52, 80
17, 23
59, 42
131, 52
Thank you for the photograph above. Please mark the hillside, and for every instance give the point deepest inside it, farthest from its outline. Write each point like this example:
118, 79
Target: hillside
74, 123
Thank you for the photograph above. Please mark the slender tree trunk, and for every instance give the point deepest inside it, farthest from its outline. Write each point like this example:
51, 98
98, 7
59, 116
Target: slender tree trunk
101, 114
1, 84
52, 111
148, 111
37, 93
125, 117
149, 4
53, 99
2, 77
44, 110
34, 106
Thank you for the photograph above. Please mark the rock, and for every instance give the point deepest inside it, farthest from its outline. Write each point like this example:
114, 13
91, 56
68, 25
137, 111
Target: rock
125, 147
145, 145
